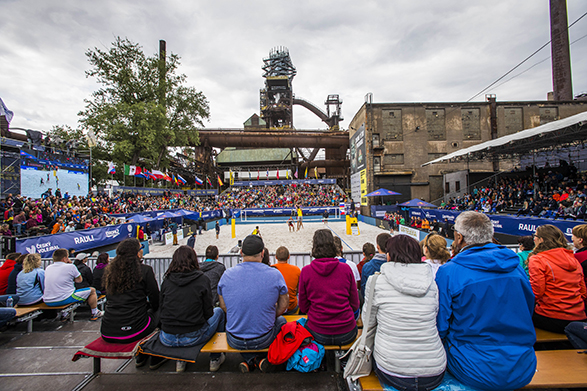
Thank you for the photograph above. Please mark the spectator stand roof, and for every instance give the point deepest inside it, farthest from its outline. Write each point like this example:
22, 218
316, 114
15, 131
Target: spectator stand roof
553, 135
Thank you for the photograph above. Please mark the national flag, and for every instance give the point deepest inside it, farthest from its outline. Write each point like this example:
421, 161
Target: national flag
316, 172
257, 174
181, 180
140, 173
167, 177
249, 175
287, 174
173, 179
231, 178
208, 180
158, 174
149, 175
296, 174
199, 182
219, 180
278, 174
4, 111
111, 168
129, 170
306, 175
267, 174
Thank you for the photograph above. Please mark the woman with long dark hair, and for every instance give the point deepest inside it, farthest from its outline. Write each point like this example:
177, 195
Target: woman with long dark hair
408, 353
98, 273
188, 316
328, 294
557, 281
132, 298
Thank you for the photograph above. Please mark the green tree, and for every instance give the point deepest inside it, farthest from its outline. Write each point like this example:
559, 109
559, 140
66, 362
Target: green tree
136, 114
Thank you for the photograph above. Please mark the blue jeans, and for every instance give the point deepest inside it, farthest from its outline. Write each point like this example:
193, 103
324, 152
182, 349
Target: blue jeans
408, 383
577, 334
6, 314
334, 339
261, 342
194, 338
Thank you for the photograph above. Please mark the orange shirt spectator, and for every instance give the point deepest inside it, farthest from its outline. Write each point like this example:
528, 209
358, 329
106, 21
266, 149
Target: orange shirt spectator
58, 227
291, 275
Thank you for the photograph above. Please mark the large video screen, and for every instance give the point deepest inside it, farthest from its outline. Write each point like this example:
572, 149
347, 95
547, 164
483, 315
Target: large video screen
44, 170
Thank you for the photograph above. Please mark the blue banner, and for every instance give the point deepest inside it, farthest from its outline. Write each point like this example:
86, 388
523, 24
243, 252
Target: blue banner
286, 182
379, 210
287, 211
159, 191
510, 225
79, 240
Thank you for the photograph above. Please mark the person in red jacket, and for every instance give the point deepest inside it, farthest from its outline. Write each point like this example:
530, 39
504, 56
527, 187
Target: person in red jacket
5, 271
557, 281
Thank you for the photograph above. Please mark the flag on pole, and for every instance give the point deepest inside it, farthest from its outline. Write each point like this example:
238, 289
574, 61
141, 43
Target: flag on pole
249, 175
149, 175
181, 180
139, 172
173, 179
167, 177
199, 182
231, 178
267, 174
306, 175
5, 112
219, 180
208, 180
158, 174
287, 174
257, 174
316, 172
111, 168
277, 174
129, 170
296, 174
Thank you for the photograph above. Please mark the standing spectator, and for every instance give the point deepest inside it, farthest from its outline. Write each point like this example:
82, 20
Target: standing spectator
192, 240
406, 287
5, 271
60, 279
188, 317
434, 249
291, 275
557, 281
485, 310
526, 245
253, 310
217, 227
374, 265
31, 281
173, 227
98, 273
328, 294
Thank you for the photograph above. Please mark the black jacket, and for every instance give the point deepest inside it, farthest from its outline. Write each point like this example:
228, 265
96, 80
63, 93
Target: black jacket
98, 274
128, 313
186, 302
87, 276
213, 270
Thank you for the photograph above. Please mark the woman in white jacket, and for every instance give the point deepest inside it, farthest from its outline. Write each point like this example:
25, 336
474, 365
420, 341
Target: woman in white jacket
408, 353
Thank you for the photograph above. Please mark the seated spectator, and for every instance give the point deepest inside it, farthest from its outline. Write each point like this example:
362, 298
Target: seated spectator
60, 279
87, 277
291, 275
374, 264
577, 334
266, 259
30, 281
435, 251
188, 316
526, 245
368, 254
253, 310
485, 310
132, 293
351, 264
328, 294
98, 273
6, 314
8, 274
557, 281
5, 230
58, 227
408, 353
5, 271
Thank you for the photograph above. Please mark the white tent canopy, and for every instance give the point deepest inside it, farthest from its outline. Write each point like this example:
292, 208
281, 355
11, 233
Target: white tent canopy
540, 137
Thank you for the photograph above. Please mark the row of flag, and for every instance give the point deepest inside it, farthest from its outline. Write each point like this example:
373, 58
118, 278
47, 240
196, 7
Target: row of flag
295, 175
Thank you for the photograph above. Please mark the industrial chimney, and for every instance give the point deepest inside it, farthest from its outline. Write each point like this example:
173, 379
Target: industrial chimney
561, 56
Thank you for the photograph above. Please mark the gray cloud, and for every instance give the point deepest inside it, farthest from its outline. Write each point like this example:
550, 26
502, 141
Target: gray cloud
400, 51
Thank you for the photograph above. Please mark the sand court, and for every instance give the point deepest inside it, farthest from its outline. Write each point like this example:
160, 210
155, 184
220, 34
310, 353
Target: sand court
274, 235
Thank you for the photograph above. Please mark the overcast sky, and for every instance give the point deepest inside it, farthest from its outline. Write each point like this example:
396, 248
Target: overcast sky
401, 51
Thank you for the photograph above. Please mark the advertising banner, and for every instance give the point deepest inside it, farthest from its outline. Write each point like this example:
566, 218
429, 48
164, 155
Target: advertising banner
510, 225
159, 191
286, 182
79, 240
287, 211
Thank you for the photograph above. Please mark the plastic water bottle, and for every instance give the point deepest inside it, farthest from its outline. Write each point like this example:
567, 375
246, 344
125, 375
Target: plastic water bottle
9, 302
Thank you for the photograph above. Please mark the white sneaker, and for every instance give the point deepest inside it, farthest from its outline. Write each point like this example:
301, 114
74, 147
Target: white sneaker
180, 366
217, 362
97, 315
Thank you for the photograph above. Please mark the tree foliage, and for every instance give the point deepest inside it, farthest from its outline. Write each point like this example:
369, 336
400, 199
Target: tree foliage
134, 115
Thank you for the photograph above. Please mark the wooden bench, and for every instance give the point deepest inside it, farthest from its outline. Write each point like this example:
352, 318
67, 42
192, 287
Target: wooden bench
548, 336
67, 310
219, 344
292, 318
555, 369
26, 314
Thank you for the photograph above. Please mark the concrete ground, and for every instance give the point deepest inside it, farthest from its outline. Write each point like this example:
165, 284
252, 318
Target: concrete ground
274, 235
42, 361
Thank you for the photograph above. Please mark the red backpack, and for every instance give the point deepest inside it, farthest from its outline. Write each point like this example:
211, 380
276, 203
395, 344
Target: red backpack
288, 340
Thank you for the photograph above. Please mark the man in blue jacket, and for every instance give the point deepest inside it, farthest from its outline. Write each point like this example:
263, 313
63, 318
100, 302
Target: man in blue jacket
485, 310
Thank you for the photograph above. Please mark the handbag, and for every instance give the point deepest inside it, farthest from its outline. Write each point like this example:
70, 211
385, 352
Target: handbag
359, 363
